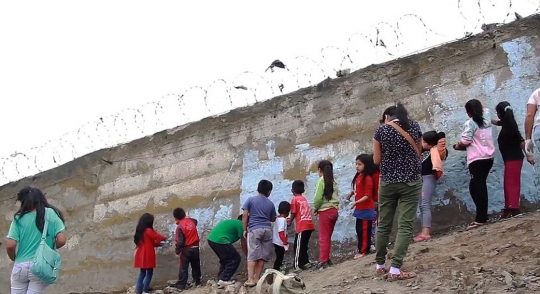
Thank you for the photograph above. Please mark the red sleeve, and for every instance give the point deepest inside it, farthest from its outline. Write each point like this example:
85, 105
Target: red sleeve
156, 236
283, 237
294, 209
368, 187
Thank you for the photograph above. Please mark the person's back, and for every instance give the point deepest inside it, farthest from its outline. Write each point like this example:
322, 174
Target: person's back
25, 231
261, 212
400, 162
302, 211
226, 232
24, 238
480, 139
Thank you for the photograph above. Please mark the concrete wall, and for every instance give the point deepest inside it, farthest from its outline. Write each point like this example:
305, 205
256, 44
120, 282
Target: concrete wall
211, 166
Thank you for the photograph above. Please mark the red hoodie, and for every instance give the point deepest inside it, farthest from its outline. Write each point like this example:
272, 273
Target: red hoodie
186, 235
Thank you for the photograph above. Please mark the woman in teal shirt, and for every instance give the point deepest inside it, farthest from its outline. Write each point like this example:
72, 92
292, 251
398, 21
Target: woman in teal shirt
25, 235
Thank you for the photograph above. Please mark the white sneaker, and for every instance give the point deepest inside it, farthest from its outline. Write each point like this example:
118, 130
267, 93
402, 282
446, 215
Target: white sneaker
223, 284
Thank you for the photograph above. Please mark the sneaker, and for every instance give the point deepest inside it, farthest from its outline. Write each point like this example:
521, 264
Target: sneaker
222, 284
322, 266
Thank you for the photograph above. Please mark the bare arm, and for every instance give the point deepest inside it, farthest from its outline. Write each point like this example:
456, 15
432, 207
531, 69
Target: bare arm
529, 120
245, 221
11, 248
61, 240
377, 152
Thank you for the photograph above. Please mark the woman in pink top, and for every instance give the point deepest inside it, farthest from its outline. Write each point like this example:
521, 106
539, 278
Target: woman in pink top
477, 139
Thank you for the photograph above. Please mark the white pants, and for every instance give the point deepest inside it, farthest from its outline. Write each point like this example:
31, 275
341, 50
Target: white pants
24, 282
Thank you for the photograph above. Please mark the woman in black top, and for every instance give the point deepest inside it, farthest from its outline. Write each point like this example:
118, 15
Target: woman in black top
512, 147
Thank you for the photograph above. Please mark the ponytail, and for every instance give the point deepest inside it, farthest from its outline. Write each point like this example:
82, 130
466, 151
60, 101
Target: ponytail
403, 116
328, 177
476, 112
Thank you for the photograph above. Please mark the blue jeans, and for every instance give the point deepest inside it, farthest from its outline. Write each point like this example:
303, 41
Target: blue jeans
145, 277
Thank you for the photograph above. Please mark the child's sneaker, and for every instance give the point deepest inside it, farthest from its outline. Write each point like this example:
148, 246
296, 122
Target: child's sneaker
222, 284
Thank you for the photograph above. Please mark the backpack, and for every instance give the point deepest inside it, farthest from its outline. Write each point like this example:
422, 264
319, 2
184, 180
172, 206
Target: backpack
47, 261
376, 183
283, 284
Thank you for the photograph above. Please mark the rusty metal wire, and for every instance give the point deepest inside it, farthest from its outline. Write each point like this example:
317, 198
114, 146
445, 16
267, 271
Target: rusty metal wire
385, 41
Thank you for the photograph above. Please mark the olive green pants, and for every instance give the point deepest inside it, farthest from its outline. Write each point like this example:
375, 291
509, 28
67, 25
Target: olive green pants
403, 198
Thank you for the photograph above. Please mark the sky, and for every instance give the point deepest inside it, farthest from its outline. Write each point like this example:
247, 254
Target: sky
67, 63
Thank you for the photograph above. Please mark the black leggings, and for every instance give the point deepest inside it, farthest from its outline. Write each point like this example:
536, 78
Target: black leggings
479, 170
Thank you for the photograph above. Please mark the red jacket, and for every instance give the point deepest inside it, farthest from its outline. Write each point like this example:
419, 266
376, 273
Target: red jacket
186, 235
145, 256
364, 187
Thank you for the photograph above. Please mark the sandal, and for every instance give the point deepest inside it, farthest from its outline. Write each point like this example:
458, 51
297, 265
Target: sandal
421, 238
401, 276
381, 271
475, 225
358, 256
247, 284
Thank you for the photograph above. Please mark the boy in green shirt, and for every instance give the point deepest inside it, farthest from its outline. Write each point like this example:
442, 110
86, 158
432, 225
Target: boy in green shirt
221, 240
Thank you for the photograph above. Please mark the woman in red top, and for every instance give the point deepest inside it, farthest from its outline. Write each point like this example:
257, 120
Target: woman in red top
146, 239
364, 204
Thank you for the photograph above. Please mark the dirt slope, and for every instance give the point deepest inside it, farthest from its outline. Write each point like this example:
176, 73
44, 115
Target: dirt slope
499, 258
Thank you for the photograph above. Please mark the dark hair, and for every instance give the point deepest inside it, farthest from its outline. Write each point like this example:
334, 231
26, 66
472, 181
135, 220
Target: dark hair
441, 135
284, 208
432, 137
476, 111
179, 213
265, 187
146, 221
298, 187
33, 199
400, 112
369, 166
240, 217
328, 177
508, 122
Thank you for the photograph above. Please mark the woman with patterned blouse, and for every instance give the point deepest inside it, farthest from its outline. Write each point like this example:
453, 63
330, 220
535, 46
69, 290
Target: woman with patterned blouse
396, 148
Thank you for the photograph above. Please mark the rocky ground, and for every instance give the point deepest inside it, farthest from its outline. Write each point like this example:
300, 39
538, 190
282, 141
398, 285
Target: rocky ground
503, 257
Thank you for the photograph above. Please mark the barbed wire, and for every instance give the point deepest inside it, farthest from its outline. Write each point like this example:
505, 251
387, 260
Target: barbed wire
377, 44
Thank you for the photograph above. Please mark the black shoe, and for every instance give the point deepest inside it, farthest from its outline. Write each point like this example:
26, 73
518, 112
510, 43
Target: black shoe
322, 266
330, 263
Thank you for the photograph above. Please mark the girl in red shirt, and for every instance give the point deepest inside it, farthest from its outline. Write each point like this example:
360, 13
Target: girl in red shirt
364, 203
146, 239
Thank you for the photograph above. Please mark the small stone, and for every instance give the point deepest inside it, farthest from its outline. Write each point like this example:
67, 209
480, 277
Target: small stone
210, 283
478, 269
355, 278
409, 284
439, 283
458, 257
493, 253
159, 292
415, 287
378, 291
507, 278
367, 292
243, 290
435, 289
172, 282
424, 250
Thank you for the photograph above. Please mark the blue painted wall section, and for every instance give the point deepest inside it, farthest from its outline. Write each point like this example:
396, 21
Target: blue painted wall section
449, 117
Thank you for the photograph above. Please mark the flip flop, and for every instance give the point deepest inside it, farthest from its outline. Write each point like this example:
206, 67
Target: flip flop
249, 285
421, 238
381, 271
358, 256
401, 276
475, 225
